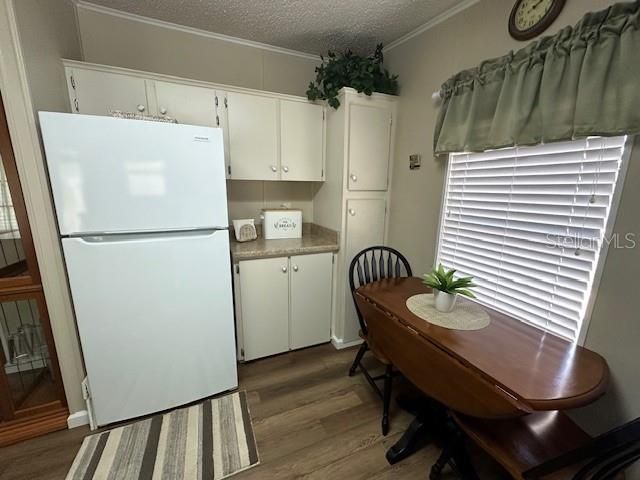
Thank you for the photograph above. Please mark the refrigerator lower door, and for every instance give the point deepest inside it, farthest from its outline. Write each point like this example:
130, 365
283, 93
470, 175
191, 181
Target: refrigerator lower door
155, 319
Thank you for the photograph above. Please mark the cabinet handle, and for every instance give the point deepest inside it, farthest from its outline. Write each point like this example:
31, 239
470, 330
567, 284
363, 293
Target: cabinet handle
273, 168
141, 108
352, 212
163, 110
295, 268
285, 169
353, 178
284, 269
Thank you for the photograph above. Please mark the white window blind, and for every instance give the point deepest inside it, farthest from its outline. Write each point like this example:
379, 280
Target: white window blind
528, 224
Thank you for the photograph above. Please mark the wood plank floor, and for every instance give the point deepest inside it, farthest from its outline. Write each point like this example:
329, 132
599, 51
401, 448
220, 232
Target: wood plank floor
310, 419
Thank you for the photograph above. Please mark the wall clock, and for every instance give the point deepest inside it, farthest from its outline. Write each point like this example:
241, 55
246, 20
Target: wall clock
529, 18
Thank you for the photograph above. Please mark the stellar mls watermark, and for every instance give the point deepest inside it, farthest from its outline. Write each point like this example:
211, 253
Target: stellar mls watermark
579, 242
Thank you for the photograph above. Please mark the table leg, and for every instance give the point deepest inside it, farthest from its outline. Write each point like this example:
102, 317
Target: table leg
409, 443
429, 423
461, 459
455, 455
443, 460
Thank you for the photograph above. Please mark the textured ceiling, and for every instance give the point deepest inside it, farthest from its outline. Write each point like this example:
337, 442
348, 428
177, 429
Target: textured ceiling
312, 26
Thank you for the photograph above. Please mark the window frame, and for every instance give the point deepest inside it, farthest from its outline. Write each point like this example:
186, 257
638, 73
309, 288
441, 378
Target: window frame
592, 293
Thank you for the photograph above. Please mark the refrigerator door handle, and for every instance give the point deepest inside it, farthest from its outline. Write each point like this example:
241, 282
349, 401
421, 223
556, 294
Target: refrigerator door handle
145, 237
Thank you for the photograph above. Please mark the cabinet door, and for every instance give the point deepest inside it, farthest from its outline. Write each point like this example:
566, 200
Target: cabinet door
253, 136
365, 228
302, 136
310, 299
187, 104
369, 147
264, 295
99, 93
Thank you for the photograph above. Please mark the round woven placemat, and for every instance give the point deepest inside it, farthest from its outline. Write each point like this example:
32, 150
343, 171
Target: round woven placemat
467, 316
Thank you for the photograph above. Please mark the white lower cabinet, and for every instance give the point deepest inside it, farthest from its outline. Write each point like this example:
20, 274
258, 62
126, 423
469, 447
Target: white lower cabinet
310, 299
264, 293
283, 303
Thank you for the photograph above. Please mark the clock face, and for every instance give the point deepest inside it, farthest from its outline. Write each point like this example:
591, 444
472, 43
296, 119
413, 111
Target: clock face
530, 18
530, 12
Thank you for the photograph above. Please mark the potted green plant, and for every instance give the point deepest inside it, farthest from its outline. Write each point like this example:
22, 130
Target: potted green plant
446, 288
365, 74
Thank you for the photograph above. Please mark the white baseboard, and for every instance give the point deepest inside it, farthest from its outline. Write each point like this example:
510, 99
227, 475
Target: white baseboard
340, 344
78, 419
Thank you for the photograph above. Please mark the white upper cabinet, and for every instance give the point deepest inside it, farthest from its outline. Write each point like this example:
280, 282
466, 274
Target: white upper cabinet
186, 103
99, 93
369, 147
253, 133
267, 136
192, 105
302, 141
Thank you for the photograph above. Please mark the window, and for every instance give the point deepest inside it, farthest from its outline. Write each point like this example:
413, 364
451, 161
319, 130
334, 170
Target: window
529, 224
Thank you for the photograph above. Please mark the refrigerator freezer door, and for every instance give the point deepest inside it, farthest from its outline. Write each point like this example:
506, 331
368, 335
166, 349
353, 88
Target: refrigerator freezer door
155, 319
115, 175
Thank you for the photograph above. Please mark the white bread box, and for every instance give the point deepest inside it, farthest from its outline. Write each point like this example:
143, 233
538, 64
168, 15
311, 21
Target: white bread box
281, 223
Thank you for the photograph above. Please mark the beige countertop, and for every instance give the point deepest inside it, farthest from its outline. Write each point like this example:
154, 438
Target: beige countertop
315, 239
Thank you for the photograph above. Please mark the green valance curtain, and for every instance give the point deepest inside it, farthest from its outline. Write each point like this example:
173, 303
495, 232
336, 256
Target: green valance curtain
583, 81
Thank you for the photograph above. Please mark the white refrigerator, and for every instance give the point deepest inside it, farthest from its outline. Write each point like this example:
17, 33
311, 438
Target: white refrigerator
142, 212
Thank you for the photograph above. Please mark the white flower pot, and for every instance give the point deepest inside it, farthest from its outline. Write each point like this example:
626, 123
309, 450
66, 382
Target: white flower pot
444, 302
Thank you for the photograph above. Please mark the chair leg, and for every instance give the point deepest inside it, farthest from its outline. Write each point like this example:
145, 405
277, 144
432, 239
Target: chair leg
363, 348
388, 383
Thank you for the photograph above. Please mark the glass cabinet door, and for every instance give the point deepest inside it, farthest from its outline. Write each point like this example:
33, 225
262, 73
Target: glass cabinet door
12, 258
30, 373
17, 256
31, 392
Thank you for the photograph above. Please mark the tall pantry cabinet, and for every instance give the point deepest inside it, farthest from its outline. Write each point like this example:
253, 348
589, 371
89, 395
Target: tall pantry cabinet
354, 199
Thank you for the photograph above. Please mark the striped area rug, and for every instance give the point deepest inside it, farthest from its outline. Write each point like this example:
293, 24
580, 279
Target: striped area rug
208, 441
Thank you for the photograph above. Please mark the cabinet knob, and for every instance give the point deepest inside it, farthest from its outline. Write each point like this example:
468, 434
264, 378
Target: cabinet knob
295, 268
285, 169
141, 108
163, 110
352, 212
284, 269
353, 178
273, 168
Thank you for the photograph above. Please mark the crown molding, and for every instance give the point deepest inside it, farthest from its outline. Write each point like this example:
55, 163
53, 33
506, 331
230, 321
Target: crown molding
82, 4
431, 23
